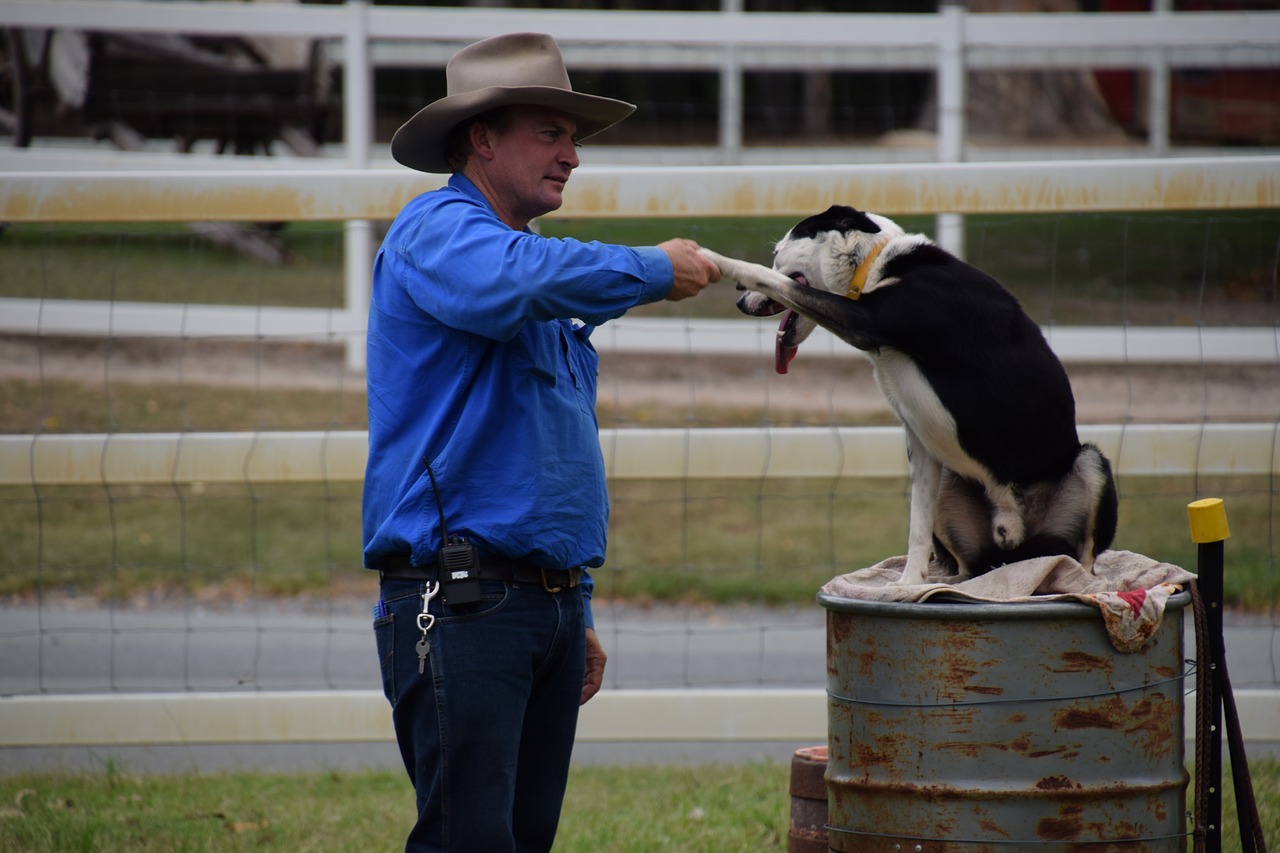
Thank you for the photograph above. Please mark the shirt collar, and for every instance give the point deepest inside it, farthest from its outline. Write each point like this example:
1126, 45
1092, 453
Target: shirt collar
460, 183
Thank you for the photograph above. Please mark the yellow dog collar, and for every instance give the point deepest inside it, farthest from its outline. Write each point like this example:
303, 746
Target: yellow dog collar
859, 279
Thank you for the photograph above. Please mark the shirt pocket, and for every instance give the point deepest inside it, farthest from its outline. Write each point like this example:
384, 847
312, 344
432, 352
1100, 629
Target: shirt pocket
584, 365
536, 352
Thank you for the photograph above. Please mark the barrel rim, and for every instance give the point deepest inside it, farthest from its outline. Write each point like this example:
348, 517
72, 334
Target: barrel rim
976, 611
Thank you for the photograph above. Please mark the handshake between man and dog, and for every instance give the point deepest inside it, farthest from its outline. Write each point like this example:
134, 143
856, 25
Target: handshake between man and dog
998, 473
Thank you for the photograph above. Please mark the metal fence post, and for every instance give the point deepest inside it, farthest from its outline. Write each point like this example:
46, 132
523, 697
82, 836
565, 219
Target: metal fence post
1208, 519
951, 75
357, 133
1159, 92
731, 113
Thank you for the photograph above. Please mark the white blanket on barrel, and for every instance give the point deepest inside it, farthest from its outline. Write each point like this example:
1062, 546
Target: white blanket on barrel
1129, 589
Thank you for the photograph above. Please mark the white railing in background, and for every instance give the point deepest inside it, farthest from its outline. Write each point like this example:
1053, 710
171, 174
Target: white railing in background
824, 453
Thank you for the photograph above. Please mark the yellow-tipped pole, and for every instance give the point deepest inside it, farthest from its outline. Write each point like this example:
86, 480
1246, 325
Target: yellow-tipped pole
1208, 519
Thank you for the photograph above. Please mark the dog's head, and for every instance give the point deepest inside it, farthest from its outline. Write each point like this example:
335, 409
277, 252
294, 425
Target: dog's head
825, 251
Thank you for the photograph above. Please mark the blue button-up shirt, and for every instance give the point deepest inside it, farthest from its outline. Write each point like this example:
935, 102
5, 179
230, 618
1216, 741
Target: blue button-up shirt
477, 367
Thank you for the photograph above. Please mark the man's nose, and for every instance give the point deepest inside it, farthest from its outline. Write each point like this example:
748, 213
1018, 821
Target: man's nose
569, 155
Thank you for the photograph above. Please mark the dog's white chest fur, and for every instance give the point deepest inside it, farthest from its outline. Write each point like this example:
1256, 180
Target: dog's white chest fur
913, 399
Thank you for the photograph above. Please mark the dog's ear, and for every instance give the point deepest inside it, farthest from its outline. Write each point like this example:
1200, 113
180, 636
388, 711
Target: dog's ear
838, 217
852, 219
842, 218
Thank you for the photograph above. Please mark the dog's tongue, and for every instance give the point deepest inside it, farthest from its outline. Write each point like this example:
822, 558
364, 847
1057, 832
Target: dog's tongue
782, 354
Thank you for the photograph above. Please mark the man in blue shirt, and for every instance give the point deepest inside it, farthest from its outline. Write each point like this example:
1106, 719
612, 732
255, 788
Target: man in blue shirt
484, 501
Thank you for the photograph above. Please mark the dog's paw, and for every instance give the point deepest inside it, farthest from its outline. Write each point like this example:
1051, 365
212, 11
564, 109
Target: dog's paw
727, 266
913, 574
748, 275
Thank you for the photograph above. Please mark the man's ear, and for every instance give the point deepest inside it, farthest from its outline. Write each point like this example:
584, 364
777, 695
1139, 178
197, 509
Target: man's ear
481, 136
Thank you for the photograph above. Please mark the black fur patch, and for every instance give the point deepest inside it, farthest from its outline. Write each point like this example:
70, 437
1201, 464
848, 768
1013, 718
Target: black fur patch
837, 217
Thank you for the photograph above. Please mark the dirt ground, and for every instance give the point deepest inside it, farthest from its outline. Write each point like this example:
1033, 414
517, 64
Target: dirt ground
846, 388
817, 389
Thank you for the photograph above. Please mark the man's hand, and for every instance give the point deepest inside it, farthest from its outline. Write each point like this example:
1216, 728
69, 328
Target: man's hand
596, 657
692, 271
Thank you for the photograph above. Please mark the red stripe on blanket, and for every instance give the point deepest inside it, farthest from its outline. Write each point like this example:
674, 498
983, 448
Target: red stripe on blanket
1135, 600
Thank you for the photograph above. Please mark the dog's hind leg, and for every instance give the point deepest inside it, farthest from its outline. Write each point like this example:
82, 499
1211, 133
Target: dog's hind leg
1082, 508
962, 527
926, 479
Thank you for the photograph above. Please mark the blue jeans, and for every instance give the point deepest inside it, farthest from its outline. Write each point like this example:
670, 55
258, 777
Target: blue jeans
487, 729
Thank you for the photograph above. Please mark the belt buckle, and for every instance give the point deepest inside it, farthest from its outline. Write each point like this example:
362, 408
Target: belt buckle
572, 580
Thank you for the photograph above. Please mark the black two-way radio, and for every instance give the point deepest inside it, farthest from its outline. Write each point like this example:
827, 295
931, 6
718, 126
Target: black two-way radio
458, 562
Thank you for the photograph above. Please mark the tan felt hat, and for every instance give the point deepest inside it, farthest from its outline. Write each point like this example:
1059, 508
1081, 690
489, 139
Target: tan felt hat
518, 68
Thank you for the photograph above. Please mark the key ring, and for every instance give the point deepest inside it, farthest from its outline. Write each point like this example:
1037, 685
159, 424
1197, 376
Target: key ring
426, 619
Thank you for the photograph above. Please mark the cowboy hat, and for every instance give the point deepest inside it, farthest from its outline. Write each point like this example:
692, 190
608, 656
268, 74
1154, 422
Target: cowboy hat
518, 68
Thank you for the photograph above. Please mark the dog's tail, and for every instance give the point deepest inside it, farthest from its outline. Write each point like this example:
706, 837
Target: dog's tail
1095, 470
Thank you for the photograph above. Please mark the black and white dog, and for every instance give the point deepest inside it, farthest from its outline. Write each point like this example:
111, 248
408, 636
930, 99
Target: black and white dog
998, 473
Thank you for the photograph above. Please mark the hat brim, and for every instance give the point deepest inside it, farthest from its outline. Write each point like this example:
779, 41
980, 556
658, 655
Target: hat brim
420, 142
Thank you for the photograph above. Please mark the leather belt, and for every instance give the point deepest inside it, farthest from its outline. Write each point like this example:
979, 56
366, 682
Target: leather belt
398, 567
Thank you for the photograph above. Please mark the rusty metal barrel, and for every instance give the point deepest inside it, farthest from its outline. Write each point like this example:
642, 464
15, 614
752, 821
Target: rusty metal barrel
808, 831
968, 728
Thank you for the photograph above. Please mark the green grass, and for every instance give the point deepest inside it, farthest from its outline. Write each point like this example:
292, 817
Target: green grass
272, 540
767, 542
1098, 268
162, 262
716, 808
711, 808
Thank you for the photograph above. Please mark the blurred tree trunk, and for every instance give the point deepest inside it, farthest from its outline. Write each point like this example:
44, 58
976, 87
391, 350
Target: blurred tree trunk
1032, 104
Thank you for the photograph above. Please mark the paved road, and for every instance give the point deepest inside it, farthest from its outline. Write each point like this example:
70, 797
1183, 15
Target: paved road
102, 650
90, 649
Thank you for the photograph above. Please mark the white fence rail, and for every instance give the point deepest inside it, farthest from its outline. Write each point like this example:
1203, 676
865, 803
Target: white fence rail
631, 454
337, 716
1202, 183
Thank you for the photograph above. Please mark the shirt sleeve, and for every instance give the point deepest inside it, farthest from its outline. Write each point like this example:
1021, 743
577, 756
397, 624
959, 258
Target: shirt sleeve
470, 271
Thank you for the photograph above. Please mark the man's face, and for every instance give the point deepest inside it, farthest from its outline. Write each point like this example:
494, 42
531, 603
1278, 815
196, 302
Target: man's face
530, 163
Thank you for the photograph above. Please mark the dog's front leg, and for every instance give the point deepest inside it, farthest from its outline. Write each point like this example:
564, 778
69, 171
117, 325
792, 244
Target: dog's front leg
751, 276
926, 479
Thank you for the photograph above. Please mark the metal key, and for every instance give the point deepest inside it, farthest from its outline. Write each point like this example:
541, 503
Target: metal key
423, 648
425, 622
